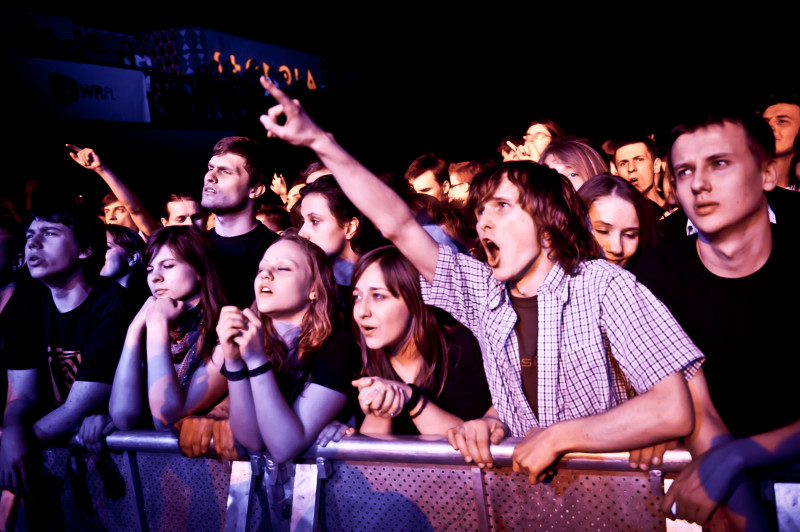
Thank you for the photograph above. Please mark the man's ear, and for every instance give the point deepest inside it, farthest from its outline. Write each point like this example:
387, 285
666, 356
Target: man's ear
18, 262
446, 187
257, 190
769, 175
133, 258
164, 222
658, 168
86, 254
351, 228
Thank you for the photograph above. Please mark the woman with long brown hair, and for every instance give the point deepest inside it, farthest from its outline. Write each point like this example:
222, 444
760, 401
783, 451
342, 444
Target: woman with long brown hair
289, 361
422, 372
171, 360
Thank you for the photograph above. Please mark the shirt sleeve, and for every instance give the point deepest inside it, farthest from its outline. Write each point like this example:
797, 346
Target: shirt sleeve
645, 339
106, 326
460, 284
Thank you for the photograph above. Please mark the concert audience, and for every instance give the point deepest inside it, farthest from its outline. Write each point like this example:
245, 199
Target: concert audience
254, 324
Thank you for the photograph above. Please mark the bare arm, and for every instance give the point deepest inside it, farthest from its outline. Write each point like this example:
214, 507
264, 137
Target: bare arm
126, 403
168, 402
664, 412
87, 158
84, 398
390, 214
718, 461
21, 399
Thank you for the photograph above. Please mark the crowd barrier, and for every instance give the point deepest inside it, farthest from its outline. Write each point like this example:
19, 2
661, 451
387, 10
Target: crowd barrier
144, 483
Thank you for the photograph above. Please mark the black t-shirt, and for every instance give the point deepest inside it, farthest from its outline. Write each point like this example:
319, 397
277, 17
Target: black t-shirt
336, 365
83, 344
744, 327
465, 393
527, 330
237, 262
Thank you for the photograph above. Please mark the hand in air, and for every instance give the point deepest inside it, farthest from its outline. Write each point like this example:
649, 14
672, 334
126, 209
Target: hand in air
85, 157
288, 120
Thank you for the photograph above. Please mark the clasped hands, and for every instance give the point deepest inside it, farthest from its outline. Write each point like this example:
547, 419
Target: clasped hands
241, 336
382, 397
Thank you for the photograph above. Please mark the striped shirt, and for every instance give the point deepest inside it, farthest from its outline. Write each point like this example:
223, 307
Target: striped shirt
591, 326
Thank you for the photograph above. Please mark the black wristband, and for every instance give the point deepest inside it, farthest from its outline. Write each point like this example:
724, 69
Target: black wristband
233, 375
265, 367
412, 402
421, 408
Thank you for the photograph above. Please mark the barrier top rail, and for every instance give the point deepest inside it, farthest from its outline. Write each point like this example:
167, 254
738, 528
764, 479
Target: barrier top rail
433, 450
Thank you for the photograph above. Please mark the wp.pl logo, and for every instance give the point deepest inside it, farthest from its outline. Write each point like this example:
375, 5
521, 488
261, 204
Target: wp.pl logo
67, 90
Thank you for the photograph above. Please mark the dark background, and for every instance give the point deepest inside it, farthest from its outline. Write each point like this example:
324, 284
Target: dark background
405, 82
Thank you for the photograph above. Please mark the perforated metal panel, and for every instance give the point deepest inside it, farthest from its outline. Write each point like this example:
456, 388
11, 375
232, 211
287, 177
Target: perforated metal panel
183, 494
573, 501
397, 497
88, 491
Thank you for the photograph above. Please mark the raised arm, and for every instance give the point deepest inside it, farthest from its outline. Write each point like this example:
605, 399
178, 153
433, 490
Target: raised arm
390, 214
87, 158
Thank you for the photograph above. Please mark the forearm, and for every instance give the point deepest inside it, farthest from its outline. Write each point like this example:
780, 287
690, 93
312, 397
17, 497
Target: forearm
243, 413
84, 398
271, 411
164, 392
367, 192
128, 197
435, 420
376, 425
662, 413
126, 402
384, 207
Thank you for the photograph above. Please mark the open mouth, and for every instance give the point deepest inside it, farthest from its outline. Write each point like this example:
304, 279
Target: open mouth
492, 252
209, 190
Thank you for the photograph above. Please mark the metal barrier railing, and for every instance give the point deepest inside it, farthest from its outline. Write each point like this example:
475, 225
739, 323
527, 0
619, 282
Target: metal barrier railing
294, 493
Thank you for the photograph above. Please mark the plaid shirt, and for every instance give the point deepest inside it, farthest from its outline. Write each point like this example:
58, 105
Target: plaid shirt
590, 325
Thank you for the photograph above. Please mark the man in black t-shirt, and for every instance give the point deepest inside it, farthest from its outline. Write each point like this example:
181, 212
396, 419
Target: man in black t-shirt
66, 340
725, 286
234, 181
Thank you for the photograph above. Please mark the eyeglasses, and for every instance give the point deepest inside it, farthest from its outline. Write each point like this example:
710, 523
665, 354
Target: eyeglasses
537, 136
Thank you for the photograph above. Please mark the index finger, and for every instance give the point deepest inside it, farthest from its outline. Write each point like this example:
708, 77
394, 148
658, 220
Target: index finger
362, 382
275, 91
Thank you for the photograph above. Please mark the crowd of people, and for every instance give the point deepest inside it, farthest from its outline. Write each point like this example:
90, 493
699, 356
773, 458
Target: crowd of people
580, 297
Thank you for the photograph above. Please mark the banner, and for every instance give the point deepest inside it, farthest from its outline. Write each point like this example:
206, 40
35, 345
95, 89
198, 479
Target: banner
82, 91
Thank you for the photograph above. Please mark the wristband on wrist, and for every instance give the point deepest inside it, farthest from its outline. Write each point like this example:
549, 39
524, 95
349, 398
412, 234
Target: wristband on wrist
413, 415
263, 368
233, 375
412, 402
